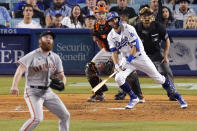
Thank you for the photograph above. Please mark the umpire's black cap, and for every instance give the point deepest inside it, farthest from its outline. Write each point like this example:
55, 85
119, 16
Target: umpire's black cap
48, 32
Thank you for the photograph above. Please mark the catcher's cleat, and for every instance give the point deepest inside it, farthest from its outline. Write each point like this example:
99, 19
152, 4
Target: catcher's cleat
132, 103
120, 96
92, 98
100, 97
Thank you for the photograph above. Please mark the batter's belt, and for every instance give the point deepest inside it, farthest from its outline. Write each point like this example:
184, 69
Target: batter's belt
134, 56
40, 87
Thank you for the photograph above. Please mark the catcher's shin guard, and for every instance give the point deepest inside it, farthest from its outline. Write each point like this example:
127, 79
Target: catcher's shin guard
133, 81
93, 78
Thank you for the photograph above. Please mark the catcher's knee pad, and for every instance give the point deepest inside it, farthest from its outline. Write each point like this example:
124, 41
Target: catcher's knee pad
91, 70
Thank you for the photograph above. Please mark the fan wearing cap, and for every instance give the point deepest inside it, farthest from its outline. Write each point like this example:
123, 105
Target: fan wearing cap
152, 34
181, 13
39, 66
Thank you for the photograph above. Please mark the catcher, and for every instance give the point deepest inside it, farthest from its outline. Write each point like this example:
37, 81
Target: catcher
102, 62
39, 65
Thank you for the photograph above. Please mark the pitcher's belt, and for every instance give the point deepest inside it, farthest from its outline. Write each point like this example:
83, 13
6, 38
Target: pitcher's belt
40, 87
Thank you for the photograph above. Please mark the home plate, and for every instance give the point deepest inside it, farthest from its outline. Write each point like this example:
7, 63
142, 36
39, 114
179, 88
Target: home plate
116, 108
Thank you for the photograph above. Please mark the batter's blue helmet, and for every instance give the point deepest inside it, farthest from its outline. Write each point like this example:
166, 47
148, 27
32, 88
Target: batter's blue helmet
112, 15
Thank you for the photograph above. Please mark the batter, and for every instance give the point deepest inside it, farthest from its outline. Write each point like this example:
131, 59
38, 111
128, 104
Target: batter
123, 38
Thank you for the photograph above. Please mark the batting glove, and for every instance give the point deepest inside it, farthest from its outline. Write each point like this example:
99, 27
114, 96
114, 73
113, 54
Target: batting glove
117, 67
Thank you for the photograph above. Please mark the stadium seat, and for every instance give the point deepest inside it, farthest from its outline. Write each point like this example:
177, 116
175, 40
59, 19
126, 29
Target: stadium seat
2, 22
13, 3
140, 2
15, 21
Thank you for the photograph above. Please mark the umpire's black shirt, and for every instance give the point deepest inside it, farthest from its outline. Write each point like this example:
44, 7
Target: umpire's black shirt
151, 38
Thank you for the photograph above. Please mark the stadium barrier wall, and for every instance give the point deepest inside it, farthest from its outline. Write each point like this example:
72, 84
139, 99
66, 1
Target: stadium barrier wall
76, 48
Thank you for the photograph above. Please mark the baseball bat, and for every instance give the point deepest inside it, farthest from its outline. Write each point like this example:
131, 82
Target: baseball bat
96, 88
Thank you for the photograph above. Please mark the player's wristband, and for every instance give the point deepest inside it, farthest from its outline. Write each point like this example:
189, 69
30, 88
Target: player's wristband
130, 58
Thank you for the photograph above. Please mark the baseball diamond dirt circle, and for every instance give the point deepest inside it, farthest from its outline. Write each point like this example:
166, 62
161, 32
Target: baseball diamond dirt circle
156, 108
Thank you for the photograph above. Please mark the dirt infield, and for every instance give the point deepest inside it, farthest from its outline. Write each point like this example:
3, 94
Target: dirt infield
156, 108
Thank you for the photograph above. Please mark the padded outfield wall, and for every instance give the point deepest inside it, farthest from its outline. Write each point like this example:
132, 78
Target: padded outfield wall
76, 48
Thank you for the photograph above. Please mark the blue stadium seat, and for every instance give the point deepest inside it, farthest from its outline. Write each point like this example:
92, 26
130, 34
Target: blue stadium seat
2, 22
141, 2
194, 6
15, 21
13, 3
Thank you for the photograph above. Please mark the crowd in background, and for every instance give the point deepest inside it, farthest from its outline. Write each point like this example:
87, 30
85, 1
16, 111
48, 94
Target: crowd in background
173, 14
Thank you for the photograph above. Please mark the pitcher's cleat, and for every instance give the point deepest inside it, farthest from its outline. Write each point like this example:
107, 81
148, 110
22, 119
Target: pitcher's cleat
132, 103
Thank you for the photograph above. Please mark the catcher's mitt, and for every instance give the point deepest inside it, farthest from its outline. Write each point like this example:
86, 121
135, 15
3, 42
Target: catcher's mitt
56, 84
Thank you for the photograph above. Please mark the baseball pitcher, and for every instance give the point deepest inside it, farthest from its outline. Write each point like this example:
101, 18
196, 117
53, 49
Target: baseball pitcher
43, 71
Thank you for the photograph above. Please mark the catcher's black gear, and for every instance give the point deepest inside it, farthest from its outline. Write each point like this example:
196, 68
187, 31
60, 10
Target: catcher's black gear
56, 84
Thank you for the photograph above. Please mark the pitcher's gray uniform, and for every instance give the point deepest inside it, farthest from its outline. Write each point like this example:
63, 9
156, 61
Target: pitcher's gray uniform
39, 65
37, 74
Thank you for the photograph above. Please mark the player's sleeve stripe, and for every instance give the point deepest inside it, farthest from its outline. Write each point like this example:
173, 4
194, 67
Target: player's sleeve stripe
20, 63
59, 72
113, 49
137, 45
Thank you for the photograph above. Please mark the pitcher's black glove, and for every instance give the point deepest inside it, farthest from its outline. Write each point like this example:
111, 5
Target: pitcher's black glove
56, 84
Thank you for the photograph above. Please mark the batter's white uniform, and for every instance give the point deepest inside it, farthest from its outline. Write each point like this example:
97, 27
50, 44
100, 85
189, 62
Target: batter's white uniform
123, 42
39, 68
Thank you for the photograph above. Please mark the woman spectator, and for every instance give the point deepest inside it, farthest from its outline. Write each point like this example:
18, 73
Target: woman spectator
75, 20
167, 19
190, 22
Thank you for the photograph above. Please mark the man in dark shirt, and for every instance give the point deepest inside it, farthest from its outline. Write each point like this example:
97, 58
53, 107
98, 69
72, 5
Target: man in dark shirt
152, 34
122, 9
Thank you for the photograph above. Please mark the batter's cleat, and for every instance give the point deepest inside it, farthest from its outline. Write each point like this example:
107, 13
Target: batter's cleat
182, 102
120, 96
92, 98
100, 97
132, 103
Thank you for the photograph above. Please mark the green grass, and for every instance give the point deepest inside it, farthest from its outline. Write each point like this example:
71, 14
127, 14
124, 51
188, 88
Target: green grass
6, 82
52, 125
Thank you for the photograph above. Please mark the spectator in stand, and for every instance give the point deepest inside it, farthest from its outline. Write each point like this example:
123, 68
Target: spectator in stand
27, 21
4, 14
57, 21
182, 13
88, 10
75, 20
90, 21
122, 9
38, 10
58, 7
154, 5
190, 22
37, 5
167, 19
104, 2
